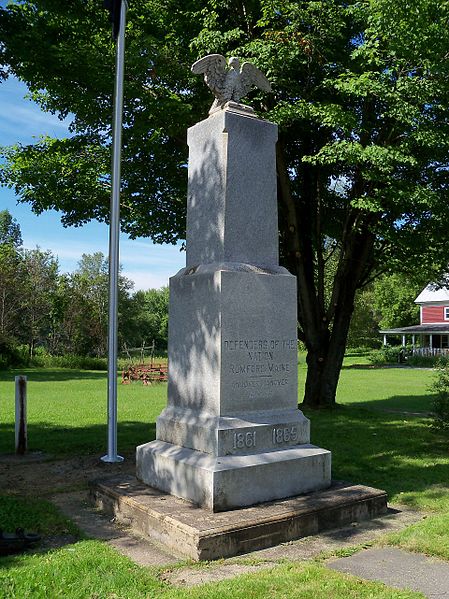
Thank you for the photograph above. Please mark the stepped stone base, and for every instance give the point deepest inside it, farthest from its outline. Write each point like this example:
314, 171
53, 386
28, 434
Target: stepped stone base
200, 534
227, 482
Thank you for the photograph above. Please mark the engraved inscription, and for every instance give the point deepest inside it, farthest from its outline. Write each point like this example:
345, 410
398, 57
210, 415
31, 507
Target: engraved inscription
285, 435
245, 440
261, 363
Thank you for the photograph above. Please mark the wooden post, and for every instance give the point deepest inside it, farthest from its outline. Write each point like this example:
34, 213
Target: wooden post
21, 414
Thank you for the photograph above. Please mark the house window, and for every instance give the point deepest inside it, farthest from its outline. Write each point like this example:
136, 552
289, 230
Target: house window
446, 313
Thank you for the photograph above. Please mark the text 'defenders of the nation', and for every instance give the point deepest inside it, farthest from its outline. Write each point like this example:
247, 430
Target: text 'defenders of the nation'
260, 363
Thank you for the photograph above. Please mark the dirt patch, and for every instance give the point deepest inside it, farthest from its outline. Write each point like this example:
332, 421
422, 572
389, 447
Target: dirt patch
194, 576
38, 475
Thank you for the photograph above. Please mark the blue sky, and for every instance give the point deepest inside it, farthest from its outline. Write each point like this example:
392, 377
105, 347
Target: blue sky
148, 265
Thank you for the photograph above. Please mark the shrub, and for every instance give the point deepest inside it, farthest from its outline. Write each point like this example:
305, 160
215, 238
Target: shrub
440, 387
362, 350
12, 356
385, 355
426, 361
70, 361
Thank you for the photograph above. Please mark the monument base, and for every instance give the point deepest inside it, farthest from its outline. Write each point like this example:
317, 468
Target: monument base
202, 535
232, 481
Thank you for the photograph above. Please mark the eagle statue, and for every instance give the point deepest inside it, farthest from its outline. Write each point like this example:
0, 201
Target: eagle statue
229, 84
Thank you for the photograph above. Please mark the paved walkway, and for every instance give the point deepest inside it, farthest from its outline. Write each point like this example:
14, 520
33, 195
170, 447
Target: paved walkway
399, 569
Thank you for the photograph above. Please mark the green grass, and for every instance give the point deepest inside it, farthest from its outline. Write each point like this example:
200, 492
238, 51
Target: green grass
430, 536
34, 514
374, 438
389, 388
67, 411
399, 454
90, 569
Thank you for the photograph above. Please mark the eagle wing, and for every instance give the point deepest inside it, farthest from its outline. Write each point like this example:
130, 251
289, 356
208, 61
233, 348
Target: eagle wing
213, 67
251, 75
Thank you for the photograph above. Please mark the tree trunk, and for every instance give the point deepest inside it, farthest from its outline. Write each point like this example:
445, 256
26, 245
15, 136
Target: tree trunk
324, 362
326, 343
323, 328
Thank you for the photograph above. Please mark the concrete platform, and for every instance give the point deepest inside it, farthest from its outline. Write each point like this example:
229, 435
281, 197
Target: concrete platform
200, 534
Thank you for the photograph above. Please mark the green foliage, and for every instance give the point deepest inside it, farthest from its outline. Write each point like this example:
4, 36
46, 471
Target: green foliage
62, 319
440, 387
362, 350
149, 321
364, 330
10, 233
28, 280
420, 361
393, 300
385, 355
44, 360
82, 327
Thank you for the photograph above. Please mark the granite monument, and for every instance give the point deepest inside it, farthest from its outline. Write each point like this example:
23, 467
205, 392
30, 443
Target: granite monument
231, 434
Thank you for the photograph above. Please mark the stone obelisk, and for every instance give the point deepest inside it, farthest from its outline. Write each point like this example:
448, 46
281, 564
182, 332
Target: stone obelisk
231, 434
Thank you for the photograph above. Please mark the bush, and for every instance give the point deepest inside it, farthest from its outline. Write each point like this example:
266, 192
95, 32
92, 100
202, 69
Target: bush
363, 350
440, 387
44, 360
12, 356
385, 355
426, 361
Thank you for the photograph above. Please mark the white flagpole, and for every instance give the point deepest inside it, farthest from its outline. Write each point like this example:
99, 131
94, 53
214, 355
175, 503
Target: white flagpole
114, 233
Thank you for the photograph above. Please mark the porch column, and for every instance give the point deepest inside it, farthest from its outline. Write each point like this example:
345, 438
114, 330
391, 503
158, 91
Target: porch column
431, 341
403, 340
413, 341
385, 340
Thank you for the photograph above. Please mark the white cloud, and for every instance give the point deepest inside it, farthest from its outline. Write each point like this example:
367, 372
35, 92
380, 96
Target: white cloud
159, 256
147, 280
22, 120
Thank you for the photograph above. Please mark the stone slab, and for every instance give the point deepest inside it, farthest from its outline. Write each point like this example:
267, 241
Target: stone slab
227, 435
227, 482
231, 204
232, 342
400, 569
202, 535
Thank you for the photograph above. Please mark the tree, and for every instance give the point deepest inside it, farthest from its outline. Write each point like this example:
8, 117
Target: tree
361, 90
12, 274
10, 233
393, 300
85, 306
11, 279
39, 287
150, 319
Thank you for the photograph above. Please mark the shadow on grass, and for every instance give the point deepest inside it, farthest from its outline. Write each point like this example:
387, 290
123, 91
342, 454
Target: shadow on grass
407, 404
60, 441
376, 367
388, 451
52, 374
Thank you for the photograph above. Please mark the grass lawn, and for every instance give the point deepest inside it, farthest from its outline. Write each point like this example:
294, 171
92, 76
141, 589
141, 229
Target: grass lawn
67, 411
375, 439
90, 569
